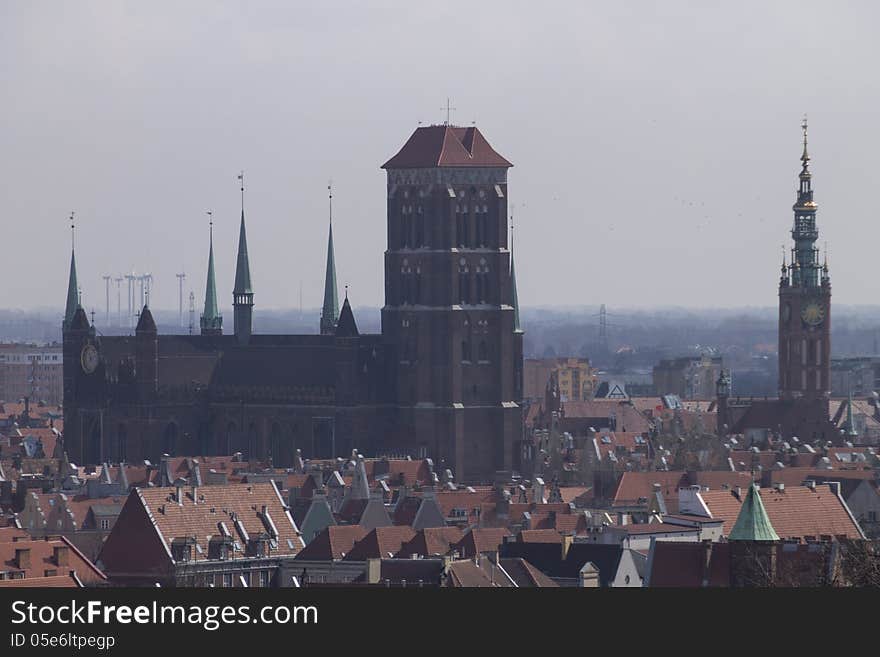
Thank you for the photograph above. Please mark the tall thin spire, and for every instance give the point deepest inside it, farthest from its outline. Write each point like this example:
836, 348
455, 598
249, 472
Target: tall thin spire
211, 321
330, 308
515, 299
242, 293
242, 269
72, 286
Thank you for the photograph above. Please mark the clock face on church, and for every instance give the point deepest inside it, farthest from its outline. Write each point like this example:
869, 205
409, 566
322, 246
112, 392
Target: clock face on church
89, 359
813, 313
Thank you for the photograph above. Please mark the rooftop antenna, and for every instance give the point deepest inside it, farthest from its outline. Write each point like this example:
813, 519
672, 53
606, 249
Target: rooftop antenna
449, 109
181, 277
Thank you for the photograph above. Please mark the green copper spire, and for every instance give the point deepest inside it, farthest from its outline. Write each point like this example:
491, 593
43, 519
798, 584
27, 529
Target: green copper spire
752, 523
211, 321
850, 423
72, 285
242, 269
330, 309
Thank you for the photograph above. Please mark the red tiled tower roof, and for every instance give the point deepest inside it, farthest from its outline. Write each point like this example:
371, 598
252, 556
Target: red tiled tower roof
446, 146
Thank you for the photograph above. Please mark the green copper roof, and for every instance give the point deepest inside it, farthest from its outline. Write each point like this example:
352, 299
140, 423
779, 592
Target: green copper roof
211, 317
72, 293
850, 423
516, 324
242, 269
752, 523
330, 310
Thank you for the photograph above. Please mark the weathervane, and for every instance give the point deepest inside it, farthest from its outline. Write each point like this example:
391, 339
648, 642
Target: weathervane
241, 179
330, 198
72, 231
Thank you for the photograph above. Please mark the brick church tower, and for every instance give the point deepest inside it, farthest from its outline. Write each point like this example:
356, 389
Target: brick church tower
450, 319
805, 305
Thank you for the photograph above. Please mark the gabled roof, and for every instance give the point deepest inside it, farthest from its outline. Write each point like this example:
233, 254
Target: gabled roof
333, 543
795, 512
381, 543
446, 146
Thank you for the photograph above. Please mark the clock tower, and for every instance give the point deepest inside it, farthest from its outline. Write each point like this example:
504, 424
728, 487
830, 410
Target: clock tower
804, 303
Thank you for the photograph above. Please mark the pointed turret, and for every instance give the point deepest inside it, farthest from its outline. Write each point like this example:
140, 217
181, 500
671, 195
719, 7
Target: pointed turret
330, 309
515, 299
243, 294
346, 326
211, 321
72, 287
752, 523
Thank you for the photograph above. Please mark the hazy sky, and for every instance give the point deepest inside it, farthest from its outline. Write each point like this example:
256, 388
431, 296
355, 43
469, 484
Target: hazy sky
655, 144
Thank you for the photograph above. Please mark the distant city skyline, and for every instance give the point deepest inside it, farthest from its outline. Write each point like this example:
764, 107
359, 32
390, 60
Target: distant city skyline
655, 147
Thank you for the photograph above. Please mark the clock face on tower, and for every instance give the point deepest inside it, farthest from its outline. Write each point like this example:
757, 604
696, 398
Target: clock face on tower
89, 358
813, 313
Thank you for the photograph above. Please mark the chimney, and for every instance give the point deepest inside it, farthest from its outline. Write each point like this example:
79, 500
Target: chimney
691, 502
567, 540
61, 555
178, 484
23, 558
374, 571
810, 483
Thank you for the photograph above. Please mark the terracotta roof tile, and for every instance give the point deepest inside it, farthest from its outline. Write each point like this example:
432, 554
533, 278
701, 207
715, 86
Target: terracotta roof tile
795, 512
446, 146
217, 504
381, 543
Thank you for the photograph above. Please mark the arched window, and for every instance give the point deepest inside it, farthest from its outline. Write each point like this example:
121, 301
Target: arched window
419, 240
253, 448
482, 281
169, 440
405, 282
465, 351
229, 442
464, 237
277, 451
464, 284
483, 355
121, 443
417, 284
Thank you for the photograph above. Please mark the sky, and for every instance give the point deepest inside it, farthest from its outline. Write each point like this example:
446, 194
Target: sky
655, 144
